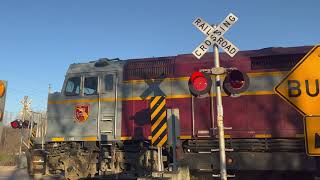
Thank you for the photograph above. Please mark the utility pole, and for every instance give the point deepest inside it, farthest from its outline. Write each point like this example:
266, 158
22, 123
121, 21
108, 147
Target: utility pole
49, 89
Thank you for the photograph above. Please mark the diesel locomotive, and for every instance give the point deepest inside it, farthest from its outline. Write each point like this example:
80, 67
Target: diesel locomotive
99, 124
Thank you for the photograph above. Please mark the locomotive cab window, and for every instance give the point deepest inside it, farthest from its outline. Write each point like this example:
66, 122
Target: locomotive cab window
108, 82
90, 86
73, 86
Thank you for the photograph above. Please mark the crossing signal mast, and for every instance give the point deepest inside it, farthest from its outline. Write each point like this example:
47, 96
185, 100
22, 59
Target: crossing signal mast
25, 115
234, 83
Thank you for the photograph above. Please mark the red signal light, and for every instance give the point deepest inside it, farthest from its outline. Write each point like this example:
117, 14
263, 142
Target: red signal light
16, 124
199, 83
236, 78
236, 82
25, 124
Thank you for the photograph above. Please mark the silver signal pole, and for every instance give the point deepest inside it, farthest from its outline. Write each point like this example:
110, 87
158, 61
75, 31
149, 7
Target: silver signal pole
223, 169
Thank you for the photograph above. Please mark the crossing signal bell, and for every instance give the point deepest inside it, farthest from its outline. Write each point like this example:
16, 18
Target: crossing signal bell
235, 82
3, 89
199, 83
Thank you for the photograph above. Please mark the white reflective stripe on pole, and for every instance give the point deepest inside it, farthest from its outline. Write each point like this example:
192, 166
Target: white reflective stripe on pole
223, 170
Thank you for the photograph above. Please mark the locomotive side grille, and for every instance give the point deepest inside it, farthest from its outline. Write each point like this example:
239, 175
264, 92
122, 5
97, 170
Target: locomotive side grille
162, 67
284, 62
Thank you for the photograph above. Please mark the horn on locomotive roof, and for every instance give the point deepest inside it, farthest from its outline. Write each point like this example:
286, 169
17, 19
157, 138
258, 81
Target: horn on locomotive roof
102, 62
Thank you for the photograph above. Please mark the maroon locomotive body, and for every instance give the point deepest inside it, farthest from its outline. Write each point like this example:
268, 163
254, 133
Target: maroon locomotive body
257, 113
263, 132
103, 117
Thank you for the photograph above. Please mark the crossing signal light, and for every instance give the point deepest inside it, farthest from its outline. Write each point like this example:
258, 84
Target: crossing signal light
235, 82
199, 83
3, 89
16, 124
25, 124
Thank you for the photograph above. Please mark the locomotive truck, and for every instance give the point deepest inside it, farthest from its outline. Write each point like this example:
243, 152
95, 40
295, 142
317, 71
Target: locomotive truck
99, 124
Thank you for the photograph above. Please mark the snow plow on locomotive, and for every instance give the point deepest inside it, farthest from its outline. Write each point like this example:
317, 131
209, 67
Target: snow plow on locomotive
99, 124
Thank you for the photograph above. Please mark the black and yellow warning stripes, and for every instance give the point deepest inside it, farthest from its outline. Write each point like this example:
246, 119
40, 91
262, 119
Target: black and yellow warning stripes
32, 138
158, 121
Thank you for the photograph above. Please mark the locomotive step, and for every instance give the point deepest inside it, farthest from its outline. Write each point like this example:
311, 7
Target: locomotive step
106, 144
228, 175
106, 131
215, 150
39, 161
225, 128
226, 149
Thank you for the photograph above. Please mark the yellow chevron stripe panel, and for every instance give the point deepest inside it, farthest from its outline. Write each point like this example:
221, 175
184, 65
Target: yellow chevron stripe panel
158, 119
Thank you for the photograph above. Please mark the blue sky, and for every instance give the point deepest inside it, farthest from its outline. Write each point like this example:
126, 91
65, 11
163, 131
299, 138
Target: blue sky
39, 39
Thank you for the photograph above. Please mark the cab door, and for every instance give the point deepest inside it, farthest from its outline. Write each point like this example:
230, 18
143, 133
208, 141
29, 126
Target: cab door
109, 106
90, 98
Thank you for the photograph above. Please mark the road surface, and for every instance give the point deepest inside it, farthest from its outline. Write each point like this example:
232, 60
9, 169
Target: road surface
13, 173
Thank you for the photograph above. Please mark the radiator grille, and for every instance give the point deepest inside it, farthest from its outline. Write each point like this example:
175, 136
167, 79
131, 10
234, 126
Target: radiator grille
161, 67
284, 62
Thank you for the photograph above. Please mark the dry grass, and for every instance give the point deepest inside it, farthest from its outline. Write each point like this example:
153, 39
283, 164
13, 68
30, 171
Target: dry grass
9, 146
7, 160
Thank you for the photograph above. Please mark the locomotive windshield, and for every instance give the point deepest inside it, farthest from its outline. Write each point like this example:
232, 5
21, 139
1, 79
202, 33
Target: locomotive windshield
90, 86
73, 86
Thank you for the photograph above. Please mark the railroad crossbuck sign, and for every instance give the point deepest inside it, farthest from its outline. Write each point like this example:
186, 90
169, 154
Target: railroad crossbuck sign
312, 135
301, 86
215, 36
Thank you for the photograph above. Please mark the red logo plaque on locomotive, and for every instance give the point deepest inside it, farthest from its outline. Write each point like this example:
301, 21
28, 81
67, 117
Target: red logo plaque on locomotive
81, 112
